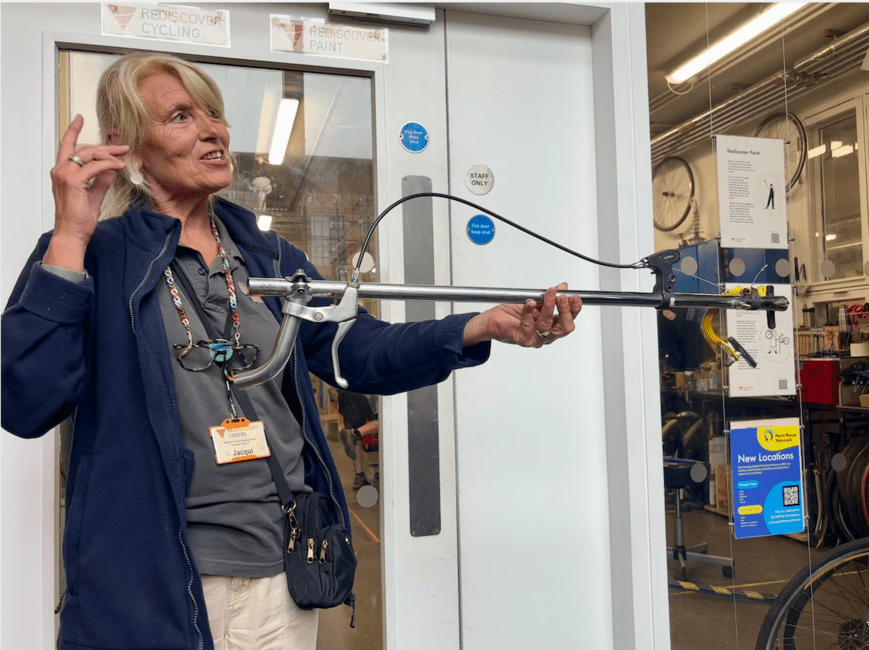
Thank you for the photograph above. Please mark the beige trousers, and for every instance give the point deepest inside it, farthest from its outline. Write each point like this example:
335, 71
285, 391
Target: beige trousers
257, 614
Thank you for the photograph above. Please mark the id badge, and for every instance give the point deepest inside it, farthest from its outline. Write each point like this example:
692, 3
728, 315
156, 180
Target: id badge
239, 439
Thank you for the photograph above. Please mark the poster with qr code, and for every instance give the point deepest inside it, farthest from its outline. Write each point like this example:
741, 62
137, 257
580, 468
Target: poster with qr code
767, 478
751, 192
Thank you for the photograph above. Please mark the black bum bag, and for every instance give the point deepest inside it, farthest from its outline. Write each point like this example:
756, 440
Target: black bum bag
319, 561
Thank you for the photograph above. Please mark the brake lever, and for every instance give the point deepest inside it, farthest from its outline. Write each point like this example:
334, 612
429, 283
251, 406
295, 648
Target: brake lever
296, 310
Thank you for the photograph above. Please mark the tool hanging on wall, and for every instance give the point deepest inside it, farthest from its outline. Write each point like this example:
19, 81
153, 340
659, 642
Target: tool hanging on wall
299, 290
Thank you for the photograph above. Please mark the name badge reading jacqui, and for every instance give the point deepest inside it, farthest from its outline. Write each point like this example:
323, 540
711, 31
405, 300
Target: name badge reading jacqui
239, 439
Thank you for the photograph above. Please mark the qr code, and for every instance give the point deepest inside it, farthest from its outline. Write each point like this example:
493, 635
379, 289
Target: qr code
773, 238
790, 495
782, 384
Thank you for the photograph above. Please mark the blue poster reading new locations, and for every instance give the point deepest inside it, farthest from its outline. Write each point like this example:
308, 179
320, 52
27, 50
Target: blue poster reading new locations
767, 481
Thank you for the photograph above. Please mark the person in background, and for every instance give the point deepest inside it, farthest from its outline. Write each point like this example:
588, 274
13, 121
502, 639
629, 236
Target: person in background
359, 421
165, 546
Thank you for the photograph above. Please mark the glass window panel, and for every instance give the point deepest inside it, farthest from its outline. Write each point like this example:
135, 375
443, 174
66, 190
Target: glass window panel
326, 174
840, 236
709, 607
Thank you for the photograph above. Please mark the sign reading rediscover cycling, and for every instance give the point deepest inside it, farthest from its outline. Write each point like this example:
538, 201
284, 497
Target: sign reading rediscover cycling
167, 23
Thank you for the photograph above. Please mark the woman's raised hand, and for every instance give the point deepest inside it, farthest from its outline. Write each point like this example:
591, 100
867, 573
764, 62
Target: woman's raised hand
79, 181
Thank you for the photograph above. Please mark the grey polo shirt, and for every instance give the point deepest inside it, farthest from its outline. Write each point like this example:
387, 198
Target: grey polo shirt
234, 517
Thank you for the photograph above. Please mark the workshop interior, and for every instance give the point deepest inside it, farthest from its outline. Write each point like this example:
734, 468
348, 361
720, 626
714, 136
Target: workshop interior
691, 469
800, 83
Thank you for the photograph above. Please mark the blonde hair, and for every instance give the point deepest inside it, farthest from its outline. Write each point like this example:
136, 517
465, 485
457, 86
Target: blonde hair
123, 117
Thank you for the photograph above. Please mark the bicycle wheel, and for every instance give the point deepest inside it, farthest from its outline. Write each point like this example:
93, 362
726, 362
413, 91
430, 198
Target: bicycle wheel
672, 191
787, 127
827, 608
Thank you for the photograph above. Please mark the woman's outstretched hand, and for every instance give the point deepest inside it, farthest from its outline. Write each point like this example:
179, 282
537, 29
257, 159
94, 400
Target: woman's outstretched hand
531, 325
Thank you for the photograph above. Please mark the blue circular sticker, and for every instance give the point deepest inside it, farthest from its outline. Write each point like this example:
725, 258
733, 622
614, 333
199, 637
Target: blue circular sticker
481, 229
413, 137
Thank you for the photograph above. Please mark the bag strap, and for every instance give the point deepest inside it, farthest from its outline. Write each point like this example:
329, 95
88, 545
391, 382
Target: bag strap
285, 494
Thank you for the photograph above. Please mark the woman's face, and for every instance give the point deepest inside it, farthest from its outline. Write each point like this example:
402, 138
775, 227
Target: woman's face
185, 151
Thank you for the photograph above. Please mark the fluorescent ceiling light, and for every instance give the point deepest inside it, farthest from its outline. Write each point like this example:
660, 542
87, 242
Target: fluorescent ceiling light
283, 129
734, 40
842, 151
264, 222
267, 118
817, 151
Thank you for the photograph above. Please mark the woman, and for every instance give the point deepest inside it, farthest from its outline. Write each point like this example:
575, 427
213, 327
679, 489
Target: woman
165, 546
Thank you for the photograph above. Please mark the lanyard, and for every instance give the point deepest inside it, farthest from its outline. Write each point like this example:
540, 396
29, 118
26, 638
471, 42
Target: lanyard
230, 288
235, 318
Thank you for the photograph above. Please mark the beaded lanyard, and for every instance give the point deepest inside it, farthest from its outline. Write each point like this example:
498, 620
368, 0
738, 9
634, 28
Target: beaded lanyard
233, 307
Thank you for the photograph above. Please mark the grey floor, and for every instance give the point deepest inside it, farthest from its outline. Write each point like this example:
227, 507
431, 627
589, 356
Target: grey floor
762, 565
335, 632
697, 620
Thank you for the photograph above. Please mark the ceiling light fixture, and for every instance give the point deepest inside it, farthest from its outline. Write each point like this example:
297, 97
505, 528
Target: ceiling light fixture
283, 128
844, 150
736, 39
817, 151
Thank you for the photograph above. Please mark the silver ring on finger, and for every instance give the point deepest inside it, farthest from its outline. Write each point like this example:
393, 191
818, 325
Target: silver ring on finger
543, 336
78, 161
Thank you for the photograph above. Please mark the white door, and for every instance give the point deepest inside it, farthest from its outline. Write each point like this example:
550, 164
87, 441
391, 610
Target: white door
514, 509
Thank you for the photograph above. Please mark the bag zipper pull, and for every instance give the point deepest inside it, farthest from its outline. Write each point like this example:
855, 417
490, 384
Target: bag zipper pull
295, 529
310, 550
323, 551
351, 600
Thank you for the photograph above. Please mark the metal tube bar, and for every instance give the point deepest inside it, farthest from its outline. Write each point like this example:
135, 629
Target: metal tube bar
284, 345
375, 291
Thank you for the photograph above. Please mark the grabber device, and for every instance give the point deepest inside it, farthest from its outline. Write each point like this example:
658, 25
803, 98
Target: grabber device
298, 291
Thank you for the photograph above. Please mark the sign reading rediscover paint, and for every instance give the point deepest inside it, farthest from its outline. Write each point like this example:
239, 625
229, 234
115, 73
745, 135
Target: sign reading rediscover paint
167, 23
316, 36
